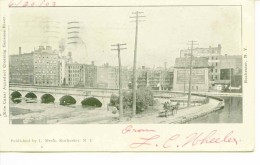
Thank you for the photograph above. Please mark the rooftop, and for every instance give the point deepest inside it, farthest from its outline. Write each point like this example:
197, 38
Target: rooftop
197, 62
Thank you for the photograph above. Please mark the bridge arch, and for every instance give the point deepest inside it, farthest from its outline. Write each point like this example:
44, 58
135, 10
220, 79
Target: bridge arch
92, 101
16, 97
67, 100
31, 95
47, 98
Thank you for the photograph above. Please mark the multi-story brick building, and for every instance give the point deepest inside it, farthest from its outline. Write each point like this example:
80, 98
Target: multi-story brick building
40, 67
227, 62
157, 79
75, 74
81, 75
230, 71
21, 68
108, 77
91, 75
212, 53
46, 67
216, 62
199, 76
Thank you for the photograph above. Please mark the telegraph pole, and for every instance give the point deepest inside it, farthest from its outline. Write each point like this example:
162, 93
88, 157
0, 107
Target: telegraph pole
118, 49
184, 80
192, 43
136, 17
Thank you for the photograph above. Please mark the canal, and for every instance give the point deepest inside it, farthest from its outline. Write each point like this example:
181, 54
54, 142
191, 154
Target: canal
231, 113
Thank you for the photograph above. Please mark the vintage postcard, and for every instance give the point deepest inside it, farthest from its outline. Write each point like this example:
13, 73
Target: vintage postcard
126, 75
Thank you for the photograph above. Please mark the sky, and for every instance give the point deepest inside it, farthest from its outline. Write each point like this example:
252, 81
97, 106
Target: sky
164, 33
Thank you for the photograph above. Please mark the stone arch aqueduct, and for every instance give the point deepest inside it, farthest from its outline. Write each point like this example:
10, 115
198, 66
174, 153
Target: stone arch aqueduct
79, 94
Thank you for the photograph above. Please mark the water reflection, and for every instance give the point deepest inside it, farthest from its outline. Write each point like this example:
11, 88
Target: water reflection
231, 113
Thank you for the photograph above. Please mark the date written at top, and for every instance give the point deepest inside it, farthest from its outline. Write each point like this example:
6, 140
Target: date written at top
31, 3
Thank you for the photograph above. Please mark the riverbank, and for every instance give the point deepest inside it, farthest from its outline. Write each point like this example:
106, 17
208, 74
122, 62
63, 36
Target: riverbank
220, 94
37, 113
183, 115
57, 114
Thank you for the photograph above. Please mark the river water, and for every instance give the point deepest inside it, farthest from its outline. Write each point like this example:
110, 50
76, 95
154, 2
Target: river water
231, 113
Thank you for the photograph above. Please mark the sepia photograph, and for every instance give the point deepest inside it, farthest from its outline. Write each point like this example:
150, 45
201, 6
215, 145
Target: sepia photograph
126, 65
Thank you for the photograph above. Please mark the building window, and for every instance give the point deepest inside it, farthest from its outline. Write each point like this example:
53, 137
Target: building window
216, 77
216, 70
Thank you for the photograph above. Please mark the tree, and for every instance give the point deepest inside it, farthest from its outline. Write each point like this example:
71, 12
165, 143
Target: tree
144, 99
114, 101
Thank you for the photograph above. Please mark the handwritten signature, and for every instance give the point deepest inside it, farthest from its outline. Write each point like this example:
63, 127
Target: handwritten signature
179, 140
31, 3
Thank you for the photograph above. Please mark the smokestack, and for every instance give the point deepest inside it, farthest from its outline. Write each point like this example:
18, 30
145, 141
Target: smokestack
219, 48
93, 63
165, 65
20, 50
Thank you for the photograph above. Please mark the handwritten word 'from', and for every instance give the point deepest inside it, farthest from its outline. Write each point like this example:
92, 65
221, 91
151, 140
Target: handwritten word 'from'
131, 129
31, 3
178, 140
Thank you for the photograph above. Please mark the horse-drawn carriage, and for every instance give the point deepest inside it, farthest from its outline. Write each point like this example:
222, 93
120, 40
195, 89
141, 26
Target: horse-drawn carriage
169, 109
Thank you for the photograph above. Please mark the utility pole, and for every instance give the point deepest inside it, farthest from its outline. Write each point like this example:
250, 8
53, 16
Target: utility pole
136, 17
192, 43
184, 81
118, 49
230, 75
